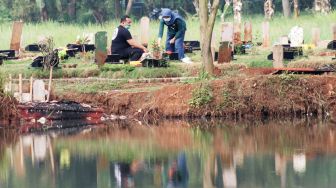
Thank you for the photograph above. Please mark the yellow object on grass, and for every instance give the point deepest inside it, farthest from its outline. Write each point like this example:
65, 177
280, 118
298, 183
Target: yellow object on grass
308, 46
136, 63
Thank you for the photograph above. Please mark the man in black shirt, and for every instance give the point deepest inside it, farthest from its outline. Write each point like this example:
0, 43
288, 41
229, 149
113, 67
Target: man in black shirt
123, 43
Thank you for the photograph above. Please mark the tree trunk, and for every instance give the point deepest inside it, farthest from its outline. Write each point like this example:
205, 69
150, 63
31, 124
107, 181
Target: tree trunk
296, 8
117, 8
286, 8
237, 7
72, 9
44, 14
322, 6
268, 9
129, 7
206, 25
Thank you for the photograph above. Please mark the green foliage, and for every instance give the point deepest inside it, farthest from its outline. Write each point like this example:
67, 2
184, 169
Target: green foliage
87, 87
201, 96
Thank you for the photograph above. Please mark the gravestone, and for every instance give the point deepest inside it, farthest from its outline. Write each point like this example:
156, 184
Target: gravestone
227, 32
39, 92
144, 31
278, 53
283, 40
237, 33
16, 36
101, 47
224, 52
316, 35
248, 32
296, 36
265, 34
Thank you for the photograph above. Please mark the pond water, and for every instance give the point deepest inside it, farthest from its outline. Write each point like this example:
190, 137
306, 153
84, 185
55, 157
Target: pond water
171, 154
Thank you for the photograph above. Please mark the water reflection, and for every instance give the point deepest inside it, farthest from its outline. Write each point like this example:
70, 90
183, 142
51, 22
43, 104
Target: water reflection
171, 154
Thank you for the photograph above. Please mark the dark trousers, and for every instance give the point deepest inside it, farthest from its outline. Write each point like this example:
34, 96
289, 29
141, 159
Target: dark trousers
133, 54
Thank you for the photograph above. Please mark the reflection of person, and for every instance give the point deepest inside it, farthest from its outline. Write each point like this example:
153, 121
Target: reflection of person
178, 172
175, 34
123, 43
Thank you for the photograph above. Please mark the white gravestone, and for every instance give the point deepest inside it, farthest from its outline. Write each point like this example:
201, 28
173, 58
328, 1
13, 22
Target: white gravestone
39, 93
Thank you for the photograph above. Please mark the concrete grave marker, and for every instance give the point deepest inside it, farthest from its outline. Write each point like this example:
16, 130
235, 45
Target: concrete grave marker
316, 36
283, 40
248, 32
278, 56
265, 34
39, 92
224, 52
227, 31
237, 33
16, 36
296, 36
101, 47
144, 31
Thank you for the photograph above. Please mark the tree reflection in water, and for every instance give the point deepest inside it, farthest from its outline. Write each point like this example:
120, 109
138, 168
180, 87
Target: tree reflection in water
172, 154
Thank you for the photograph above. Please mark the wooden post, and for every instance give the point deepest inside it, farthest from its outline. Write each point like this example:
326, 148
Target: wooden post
227, 32
101, 47
31, 89
278, 56
16, 36
248, 32
144, 31
20, 87
316, 35
334, 31
49, 85
237, 34
265, 34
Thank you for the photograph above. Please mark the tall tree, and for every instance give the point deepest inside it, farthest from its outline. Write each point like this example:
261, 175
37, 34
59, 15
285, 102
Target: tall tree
322, 6
268, 9
71, 9
286, 8
117, 8
129, 7
296, 8
207, 22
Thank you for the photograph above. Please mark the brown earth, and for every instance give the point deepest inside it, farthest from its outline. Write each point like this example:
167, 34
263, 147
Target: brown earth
7, 107
233, 97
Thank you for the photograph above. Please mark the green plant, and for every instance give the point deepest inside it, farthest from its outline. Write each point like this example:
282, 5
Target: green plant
201, 96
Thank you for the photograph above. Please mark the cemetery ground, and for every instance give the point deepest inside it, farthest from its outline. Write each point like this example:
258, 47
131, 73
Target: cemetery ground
244, 88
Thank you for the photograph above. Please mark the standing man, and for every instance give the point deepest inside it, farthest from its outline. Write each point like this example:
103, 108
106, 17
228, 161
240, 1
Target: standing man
123, 43
175, 34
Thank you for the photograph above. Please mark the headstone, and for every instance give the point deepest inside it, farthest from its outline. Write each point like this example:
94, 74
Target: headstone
101, 47
316, 32
224, 53
296, 36
265, 34
39, 93
334, 31
283, 40
278, 56
227, 32
26, 97
16, 36
237, 33
144, 31
248, 32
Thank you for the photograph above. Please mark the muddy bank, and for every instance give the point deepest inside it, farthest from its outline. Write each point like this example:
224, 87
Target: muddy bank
7, 107
237, 97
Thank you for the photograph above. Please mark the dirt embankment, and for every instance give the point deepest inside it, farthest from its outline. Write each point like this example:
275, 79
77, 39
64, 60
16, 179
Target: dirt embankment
7, 107
238, 97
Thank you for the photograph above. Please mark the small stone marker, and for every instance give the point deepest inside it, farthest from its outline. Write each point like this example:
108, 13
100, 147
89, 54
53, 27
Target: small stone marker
316, 36
224, 52
39, 92
144, 31
334, 31
283, 40
227, 32
101, 47
16, 36
248, 32
278, 56
237, 33
265, 34
296, 36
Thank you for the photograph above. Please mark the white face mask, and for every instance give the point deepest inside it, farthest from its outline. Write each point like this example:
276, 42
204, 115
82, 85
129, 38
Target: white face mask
166, 19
